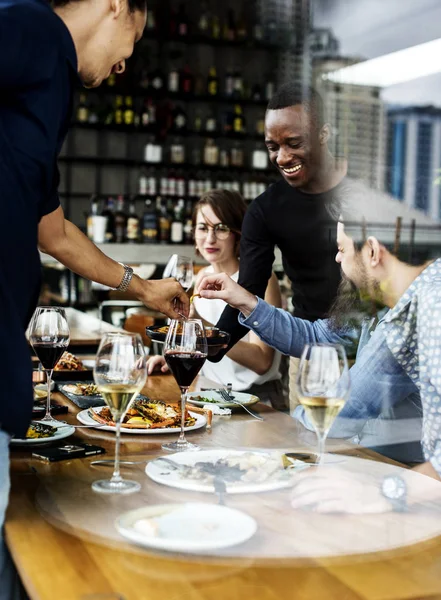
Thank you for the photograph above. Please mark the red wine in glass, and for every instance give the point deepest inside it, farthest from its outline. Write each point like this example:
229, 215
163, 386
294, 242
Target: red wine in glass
184, 365
50, 354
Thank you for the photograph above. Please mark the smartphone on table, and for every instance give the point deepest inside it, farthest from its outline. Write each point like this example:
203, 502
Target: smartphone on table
67, 452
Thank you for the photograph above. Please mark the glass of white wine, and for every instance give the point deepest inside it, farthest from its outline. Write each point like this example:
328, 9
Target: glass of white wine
323, 385
120, 373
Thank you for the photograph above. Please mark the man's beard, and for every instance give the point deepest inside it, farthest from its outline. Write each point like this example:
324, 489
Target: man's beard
353, 304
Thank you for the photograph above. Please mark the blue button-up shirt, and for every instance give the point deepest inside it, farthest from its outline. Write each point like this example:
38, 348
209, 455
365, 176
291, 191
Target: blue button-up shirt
399, 363
38, 69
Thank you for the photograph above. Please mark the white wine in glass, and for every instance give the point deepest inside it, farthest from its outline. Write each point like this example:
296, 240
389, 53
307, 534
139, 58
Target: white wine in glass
120, 373
323, 385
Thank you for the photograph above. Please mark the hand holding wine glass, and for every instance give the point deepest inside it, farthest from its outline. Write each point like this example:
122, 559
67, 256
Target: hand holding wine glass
323, 385
49, 337
120, 373
185, 351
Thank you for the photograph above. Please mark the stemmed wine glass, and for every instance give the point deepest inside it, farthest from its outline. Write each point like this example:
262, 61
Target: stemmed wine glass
49, 337
181, 268
323, 385
120, 372
185, 351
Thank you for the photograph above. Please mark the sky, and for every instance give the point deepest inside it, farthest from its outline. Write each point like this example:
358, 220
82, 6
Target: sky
370, 28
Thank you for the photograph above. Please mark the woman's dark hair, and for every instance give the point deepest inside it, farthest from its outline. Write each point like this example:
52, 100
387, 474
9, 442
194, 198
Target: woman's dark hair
229, 207
133, 4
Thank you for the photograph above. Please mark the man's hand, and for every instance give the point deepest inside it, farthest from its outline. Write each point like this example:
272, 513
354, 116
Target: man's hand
338, 491
165, 295
222, 287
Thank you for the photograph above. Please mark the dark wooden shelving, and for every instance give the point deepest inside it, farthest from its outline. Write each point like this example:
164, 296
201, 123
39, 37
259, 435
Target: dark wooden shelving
199, 39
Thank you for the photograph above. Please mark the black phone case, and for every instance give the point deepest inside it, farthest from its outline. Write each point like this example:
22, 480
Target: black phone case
67, 452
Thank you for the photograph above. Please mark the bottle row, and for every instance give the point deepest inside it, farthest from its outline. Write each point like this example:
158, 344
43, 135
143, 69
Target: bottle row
231, 26
165, 117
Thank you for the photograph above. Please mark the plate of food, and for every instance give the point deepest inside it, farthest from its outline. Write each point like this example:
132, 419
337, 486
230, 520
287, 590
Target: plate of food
40, 432
213, 397
190, 527
242, 471
144, 417
216, 339
82, 393
71, 367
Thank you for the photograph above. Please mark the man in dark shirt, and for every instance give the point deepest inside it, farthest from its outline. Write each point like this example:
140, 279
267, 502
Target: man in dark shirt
44, 53
298, 213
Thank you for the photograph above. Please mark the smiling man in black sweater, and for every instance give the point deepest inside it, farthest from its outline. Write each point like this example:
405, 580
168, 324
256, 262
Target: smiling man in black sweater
297, 214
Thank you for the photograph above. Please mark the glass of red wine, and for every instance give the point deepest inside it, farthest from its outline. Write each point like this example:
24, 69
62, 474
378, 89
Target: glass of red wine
49, 337
185, 351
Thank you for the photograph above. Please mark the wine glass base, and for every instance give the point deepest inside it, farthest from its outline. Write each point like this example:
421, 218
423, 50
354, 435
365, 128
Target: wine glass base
49, 419
180, 447
125, 486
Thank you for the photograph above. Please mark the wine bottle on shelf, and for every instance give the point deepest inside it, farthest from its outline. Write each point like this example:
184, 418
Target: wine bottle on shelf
187, 80
180, 185
188, 223
129, 113
242, 30
224, 158
143, 183
237, 155
238, 87
120, 221
173, 80
260, 126
177, 224
177, 152
229, 83
259, 158
149, 223
133, 224
213, 82
204, 20
179, 120
82, 110
92, 213
157, 80
198, 122
183, 24
215, 27
211, 153
230, 26
152, 152
109, 212
211, 123
118, 118
144, 120
164, 222
239, 121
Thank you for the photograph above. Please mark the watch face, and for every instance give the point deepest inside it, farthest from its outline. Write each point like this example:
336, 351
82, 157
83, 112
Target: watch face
394, 487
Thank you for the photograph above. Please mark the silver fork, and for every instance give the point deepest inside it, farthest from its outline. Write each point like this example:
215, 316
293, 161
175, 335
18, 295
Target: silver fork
225, 396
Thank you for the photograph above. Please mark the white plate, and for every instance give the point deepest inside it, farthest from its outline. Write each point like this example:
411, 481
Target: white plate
245, 399
84, 418
63, 431
89, 363
192, 527
161, 473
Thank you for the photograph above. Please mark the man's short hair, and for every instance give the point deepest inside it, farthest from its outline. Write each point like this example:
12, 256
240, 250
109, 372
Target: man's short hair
133, 4
291, 94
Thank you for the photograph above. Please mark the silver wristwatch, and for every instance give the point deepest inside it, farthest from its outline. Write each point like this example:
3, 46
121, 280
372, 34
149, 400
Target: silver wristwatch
394, 489
127, 278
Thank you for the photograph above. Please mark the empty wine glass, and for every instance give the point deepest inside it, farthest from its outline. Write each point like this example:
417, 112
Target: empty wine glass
120, 373
49, 337
185, 351
181, 268
323, 385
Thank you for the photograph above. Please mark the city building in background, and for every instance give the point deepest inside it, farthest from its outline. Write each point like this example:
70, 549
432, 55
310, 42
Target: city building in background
414, 157
356, 114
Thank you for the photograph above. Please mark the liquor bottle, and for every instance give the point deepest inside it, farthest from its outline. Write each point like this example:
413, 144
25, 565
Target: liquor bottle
183, 25
118, 118
152, 152
211, 153
82, 110
129, 113
152, 184
187, 80
179, 119
157, 80
230, 26
177, 152
204, 20
213, 82
238, 89
215, 27
143, 183
149, 223
144, 120
133, 225
173, 80
109, 212
120, 221
224, 158
229, 83
260, 126
164, 222
177, 224
93, 213
239, 121
188, 223
211, 122
259, 158
237, 155
198, 121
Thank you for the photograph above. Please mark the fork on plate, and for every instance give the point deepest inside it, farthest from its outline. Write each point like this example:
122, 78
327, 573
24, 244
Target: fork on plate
228, 398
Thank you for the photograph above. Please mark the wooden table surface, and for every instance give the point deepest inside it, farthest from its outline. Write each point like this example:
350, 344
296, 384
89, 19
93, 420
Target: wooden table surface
62, 538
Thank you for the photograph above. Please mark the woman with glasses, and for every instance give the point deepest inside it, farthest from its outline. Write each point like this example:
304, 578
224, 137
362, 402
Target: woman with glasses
251, 366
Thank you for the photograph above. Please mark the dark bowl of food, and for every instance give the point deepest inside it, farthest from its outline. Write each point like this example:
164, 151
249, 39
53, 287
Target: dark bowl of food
216, 339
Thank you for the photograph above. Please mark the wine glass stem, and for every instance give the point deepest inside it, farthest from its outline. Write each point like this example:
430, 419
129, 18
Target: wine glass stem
182, 439
48, 416
321, 448
116, 477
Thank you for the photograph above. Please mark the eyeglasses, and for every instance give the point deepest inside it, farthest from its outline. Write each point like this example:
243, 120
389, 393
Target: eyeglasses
220, 231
